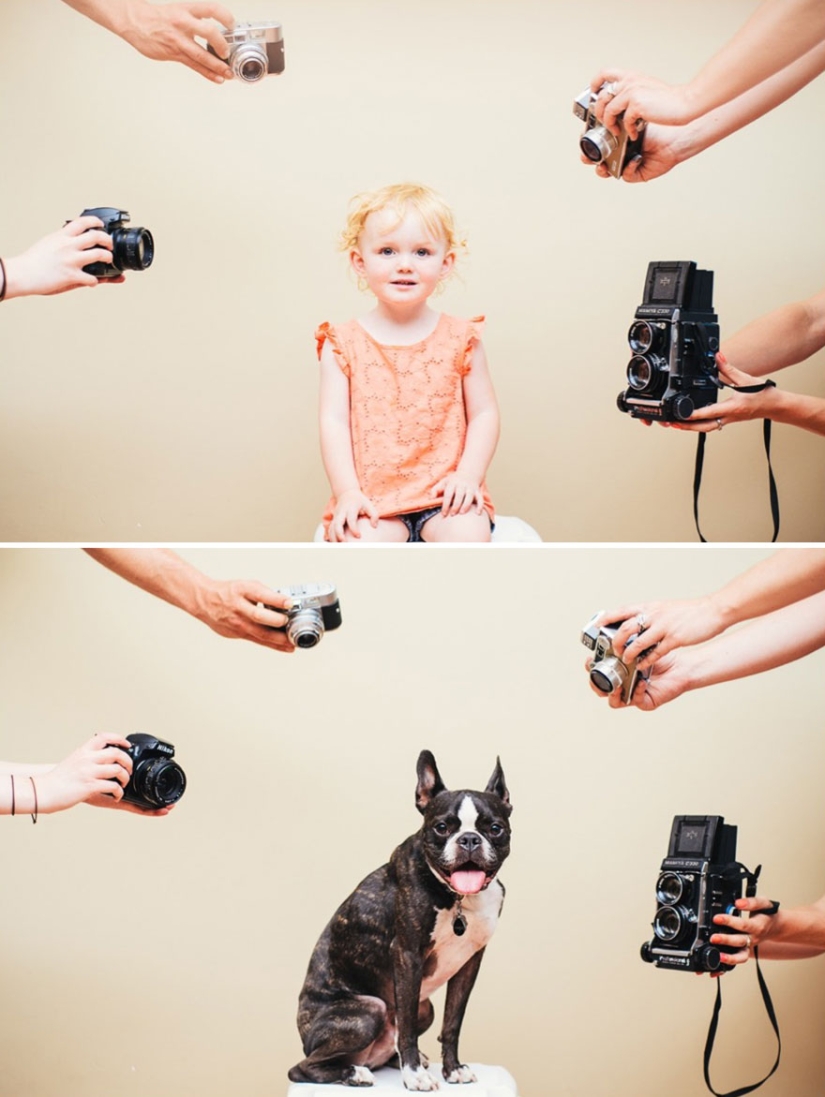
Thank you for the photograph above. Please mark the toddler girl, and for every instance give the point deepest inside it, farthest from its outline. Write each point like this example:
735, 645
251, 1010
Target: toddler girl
408, 416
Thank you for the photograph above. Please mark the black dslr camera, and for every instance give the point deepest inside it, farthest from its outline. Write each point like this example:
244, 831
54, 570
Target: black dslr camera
315, 610
598, 144
255, 50
132, 249
674, 340
608, 672
156, 781
700, 877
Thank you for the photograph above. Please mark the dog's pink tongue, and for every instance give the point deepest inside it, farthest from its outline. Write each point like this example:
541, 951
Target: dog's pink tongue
467, 882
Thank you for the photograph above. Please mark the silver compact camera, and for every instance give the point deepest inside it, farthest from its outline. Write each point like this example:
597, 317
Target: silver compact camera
608, 672
598, 144
255, 50
315, 610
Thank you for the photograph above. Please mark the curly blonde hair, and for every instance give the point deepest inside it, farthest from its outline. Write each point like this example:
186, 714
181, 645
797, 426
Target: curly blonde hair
398, 197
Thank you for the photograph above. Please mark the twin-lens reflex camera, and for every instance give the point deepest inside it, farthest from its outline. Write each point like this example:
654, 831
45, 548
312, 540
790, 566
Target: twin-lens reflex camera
673, 341
699, 878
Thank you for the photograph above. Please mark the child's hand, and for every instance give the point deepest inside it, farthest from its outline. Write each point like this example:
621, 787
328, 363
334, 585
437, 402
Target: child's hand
461, 494
97, 769
348, 509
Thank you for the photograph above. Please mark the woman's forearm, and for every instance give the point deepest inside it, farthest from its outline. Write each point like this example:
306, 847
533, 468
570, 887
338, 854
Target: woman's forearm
785, 577
779, 33
726, 119
158, 571
763, 644
795, 932
787, 335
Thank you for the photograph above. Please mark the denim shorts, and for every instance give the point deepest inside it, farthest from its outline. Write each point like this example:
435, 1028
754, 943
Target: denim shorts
415, 520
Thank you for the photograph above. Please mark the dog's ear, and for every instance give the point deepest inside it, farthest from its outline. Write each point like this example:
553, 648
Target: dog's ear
429, 780
497, 785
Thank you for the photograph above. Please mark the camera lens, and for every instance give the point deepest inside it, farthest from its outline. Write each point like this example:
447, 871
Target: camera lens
252, 70
159, 782
132, 249
249, 62
640, 337
305, 627
597, 144
668, 924
608, 675
646, 372
671, 888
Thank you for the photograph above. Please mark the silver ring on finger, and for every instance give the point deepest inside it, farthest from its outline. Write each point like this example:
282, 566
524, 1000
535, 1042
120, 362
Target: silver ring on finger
641, 622
719, 424
748, 939
608, 89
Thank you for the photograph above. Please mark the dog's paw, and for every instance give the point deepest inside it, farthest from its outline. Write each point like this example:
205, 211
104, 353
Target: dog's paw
418, 1079
359, 1076
460, 1075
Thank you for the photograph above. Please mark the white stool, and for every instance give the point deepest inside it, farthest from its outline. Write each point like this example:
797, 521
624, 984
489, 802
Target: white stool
492, 1082
507, 531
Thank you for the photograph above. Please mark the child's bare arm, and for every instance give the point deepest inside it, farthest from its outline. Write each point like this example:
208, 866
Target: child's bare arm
462, 490
336, 450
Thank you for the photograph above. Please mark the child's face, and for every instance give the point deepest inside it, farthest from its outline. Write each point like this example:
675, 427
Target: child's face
401, 261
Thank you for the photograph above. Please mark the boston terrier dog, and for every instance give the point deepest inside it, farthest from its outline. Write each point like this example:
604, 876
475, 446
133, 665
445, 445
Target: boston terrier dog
414, 924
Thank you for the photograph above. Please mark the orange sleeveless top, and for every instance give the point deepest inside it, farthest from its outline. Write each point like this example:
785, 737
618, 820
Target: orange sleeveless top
407, 416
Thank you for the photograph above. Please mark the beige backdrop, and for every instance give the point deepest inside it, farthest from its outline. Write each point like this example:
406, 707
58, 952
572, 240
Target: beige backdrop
164, 956
181, 406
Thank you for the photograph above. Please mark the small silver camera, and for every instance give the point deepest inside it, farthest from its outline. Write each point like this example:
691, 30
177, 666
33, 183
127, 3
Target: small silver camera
597, 142
608, 672
255, 50
315, 610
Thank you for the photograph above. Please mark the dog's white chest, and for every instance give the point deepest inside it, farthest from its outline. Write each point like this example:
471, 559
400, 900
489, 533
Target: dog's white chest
448, 951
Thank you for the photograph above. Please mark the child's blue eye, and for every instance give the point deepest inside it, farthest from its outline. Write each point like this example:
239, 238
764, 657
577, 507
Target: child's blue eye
385, 251
423, 252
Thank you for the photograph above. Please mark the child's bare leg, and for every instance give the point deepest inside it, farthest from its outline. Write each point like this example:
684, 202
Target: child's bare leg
388, 529
458, 527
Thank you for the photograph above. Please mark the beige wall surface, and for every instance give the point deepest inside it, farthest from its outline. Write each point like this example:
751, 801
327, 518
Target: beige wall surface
181, 406
164, 956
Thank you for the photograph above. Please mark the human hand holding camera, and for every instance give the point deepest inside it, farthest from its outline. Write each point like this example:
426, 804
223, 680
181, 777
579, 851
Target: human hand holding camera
96, 773
55, 263
738, 407
167, 32
668, 679
750, 928
664, 147
649, 630
244, 609
640, 99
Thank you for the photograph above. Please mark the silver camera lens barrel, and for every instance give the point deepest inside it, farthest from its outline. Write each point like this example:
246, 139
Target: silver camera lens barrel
608, 675
597, 144
249, 62
305, 627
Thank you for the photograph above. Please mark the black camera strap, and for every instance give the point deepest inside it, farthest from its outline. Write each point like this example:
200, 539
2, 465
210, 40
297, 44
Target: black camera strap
700, 460
752, 877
